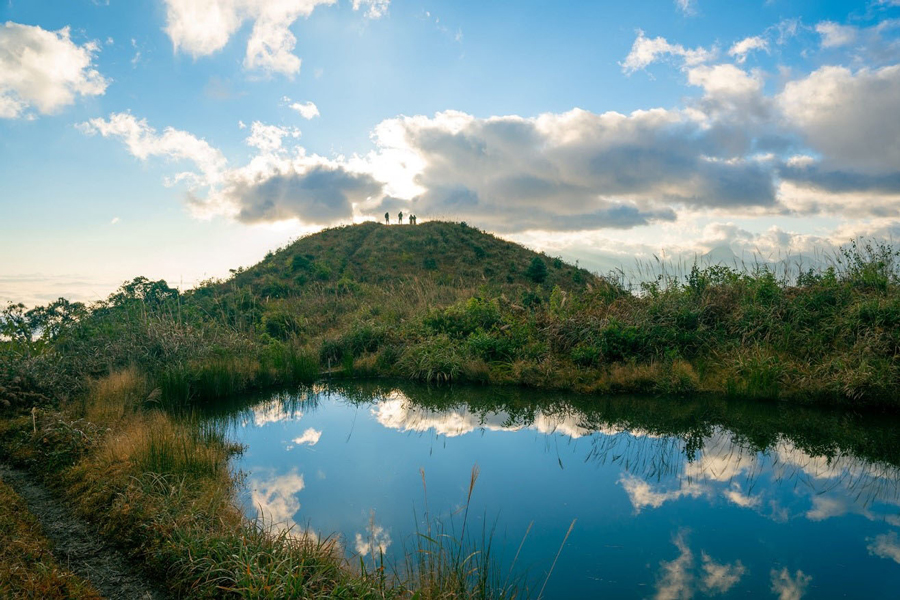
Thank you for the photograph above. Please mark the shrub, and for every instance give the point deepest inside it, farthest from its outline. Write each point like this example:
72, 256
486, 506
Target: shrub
537, 270
438, 359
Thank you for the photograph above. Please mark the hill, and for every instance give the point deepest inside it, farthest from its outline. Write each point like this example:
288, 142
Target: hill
436, 252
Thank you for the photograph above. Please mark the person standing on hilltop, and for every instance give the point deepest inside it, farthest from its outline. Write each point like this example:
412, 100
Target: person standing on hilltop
400, 217
412, 219
387, 218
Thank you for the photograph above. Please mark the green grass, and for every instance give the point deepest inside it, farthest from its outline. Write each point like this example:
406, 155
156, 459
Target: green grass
365, 308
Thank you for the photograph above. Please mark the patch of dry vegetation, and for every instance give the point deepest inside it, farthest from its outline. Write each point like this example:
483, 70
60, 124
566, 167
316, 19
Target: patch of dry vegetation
27, 567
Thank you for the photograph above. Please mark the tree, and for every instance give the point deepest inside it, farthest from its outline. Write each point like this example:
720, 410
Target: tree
537, 270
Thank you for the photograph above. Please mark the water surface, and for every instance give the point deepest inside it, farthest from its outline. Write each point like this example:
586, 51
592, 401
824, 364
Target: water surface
671, 498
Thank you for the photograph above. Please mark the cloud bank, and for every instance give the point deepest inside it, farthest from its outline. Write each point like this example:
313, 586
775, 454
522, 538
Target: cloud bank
44, 71
746, 144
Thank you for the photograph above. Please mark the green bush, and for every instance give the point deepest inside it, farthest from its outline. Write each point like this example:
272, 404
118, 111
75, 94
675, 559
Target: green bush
537, 270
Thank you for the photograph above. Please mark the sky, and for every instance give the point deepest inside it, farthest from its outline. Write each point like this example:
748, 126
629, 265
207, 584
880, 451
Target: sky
178, 139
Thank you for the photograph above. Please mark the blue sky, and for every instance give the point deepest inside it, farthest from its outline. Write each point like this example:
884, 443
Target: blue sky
146, 137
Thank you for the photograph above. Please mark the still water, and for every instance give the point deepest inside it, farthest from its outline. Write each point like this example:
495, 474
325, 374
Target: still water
671, 498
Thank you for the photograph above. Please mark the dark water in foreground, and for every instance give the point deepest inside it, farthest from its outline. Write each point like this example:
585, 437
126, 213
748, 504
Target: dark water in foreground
673, 498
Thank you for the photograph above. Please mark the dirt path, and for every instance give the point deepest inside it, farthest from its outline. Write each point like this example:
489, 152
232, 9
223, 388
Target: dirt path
77, 545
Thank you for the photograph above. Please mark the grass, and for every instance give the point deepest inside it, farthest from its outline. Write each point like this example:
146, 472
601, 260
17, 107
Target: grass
27, 567
346, 301
159, 486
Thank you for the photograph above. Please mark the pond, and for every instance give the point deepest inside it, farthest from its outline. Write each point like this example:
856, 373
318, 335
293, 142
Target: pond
670, 498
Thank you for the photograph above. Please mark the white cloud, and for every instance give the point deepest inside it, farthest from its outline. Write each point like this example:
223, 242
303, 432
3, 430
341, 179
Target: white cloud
374, 542
677, 579
642, 495
645, 51
276, 498
730, 89
144, 142
203, 27
268, 138
827, 144
849, 117
740, 50
274, 411
310, 436
885, 546
575, 170
307, 110
719, 578
835, 35
375, 9
396, 411
312, 189
44, 70
114, 221
787, 586
738, 497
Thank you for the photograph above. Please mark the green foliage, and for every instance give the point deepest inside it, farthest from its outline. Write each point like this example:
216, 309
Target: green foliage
464, 318
537, 270
438, 359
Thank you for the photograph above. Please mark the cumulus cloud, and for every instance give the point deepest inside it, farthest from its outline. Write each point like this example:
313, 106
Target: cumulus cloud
310, 436
268, 138
44, 70
312, 189
307, 110
848, 116
575, 170
730, 89
275, 498
678, 578
203, 27
826, 143
645, 51
719, 578
835, 35
885, 546
787, 586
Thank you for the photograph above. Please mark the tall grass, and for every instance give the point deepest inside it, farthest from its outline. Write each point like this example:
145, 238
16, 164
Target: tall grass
445, 564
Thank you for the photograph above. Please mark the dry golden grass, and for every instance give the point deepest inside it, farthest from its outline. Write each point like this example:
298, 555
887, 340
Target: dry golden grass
113, 397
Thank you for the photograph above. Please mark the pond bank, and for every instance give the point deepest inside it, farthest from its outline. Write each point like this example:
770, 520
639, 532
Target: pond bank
161, 490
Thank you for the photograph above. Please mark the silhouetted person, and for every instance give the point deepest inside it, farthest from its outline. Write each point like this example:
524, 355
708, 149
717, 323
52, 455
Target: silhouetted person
412, 219
387, 218
400, 217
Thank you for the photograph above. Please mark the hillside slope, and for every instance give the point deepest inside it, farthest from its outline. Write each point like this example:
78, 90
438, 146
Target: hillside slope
371, 253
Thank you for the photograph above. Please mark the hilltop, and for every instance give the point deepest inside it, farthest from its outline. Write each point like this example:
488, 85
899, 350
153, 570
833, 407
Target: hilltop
437, 252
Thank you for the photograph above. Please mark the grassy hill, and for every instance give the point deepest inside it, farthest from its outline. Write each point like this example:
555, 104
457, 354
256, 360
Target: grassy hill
451, 254
444, 301
374, 275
